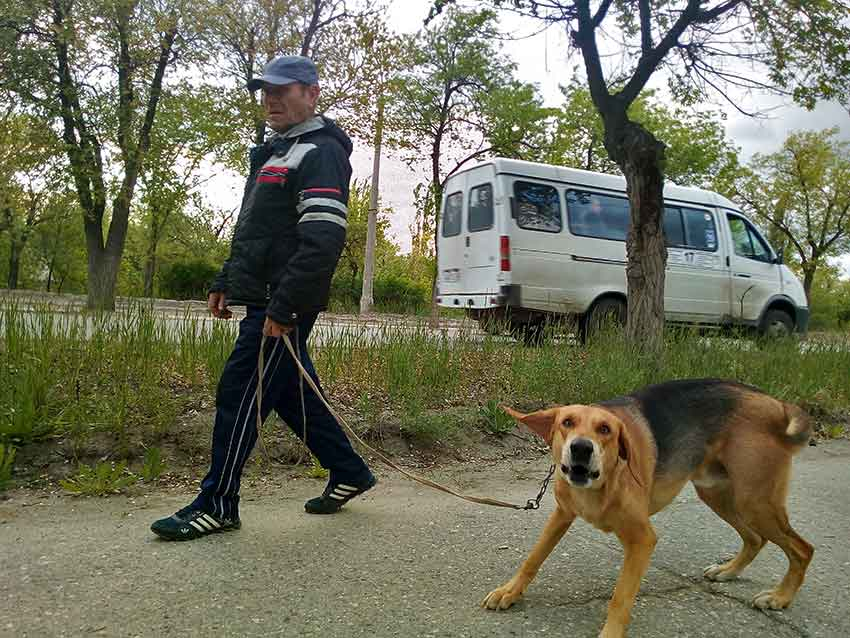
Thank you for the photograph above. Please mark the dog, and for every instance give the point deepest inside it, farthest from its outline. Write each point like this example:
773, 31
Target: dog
620, 461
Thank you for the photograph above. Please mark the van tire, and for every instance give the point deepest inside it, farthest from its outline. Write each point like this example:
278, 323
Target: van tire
609, 308
777, 324
529, 333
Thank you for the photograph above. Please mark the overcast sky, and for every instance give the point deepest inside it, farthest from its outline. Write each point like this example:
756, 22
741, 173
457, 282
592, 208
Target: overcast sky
541, 60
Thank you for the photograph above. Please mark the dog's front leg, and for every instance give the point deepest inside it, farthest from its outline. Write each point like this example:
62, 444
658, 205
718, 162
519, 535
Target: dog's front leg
638, 540
506, 595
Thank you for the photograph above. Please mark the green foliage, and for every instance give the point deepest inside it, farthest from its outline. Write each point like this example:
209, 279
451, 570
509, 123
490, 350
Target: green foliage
460, 101
7, 460
802, 195
698, 153
434, 427
496, 420
316, 470
99, 480
187, 280
153, 466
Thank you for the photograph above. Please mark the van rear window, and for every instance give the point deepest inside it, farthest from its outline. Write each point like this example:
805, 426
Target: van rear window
537, 207
600, 216
451, 215
480, 216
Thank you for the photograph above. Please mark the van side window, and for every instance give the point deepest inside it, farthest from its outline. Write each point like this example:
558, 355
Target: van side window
480, 215
700, 232
451, 215
537, 207
674, 229
746, 240
689, 228
600, 216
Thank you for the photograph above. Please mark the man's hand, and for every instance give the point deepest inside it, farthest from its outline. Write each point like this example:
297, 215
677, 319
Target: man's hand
217, 305
274, 329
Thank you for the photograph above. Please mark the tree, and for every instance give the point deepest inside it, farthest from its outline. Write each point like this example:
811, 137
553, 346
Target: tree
460, 102
349, 274
97, 69
799, 48
697, 154
802, 193
31, 182
195, 129
249, 33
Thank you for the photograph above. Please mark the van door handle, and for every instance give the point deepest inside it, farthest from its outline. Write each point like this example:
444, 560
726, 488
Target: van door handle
467, 241
743, 275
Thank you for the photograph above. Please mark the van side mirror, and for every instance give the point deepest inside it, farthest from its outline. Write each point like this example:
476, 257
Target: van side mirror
780, 258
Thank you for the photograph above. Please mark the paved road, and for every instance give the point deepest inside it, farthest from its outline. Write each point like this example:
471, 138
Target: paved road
404, 561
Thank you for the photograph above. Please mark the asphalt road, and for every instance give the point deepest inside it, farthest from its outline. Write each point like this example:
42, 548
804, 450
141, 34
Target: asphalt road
402, 561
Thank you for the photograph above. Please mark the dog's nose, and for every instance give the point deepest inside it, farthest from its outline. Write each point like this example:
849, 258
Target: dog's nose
581, 450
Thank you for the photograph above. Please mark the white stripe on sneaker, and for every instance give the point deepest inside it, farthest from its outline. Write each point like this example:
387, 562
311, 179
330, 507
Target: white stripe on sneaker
200, 528
347, 487
207, 527
337, 496
209, 520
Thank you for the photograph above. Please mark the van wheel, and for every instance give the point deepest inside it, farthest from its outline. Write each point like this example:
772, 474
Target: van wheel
777, 324
606, 311
530, 333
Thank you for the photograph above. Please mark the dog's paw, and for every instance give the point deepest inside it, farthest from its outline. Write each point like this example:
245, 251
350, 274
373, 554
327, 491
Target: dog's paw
719, 573
501, 597
612, 631
771, 599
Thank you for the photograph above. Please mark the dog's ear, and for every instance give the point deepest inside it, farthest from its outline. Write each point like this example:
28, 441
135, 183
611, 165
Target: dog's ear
625, 451
539, 422
624, 444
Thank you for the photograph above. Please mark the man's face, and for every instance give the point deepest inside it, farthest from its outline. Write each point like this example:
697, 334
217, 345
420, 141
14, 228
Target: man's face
288, 104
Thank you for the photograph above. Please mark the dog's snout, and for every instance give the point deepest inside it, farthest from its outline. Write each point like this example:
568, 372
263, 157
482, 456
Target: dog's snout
581, 450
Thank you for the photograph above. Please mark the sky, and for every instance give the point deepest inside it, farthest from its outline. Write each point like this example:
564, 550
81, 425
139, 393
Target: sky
542, 60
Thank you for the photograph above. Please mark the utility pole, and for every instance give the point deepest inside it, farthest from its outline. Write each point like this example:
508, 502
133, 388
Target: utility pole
366, 299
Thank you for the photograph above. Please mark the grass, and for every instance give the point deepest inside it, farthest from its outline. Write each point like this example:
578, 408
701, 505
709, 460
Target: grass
125, 381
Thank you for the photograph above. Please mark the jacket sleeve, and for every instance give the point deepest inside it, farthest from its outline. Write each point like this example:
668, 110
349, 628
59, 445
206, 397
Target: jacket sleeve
219, 284
322, 209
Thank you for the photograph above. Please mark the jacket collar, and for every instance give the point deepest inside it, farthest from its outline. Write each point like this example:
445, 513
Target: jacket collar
307, 126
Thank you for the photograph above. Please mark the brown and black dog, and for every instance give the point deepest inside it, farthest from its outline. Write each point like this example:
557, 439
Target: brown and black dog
620, 461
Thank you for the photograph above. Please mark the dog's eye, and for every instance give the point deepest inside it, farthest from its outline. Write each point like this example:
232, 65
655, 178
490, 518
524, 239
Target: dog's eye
604, 429
567, 423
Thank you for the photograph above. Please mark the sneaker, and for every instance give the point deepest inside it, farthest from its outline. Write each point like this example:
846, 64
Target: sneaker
336, 495
190, 523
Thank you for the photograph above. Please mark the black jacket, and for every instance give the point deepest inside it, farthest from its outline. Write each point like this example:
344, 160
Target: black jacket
291, 227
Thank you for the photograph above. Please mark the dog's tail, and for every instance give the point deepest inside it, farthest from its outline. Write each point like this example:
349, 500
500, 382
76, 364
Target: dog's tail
799, 429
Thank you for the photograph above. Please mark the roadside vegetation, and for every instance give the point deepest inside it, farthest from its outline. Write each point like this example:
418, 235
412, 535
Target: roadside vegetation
102, 402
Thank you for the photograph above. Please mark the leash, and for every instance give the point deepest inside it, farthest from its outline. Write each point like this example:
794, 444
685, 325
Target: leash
531, 504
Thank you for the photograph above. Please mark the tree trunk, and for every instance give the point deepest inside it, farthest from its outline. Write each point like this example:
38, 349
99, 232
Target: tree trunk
15, 249
150, 273
102, 277
809, 279
366, 296
641, 158
50, 273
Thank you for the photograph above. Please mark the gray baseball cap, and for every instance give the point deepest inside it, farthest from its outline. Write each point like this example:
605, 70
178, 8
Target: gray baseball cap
286, 69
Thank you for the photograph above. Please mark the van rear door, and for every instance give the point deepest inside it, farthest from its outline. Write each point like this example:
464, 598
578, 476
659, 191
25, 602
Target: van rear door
451, 253
481, 241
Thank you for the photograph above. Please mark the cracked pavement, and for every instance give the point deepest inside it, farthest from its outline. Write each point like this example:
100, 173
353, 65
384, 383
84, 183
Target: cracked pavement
404, 561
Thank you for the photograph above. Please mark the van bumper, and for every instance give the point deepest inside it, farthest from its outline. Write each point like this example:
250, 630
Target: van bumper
506, 296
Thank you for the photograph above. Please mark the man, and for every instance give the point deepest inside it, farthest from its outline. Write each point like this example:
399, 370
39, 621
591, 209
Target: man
287, 241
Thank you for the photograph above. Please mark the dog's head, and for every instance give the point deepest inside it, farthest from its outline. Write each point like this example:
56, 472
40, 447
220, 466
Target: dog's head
588, 442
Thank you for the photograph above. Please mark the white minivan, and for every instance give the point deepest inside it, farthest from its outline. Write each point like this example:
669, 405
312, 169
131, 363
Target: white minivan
521, 243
